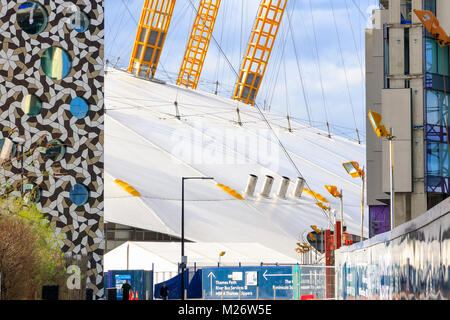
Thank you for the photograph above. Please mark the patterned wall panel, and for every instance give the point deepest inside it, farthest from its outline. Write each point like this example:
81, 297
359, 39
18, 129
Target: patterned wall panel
21, 74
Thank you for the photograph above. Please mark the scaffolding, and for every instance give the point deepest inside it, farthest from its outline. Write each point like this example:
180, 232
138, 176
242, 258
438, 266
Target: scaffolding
198, 43
259, 50
150, 37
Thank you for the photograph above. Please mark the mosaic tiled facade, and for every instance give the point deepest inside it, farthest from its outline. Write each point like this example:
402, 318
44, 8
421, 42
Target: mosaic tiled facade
21, 74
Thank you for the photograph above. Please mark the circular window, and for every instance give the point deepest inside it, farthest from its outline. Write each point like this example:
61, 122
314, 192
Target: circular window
79, 194
32, 17
79, 108
79, 21
31, 193
31, 105
55, 150
13, 151
55, 63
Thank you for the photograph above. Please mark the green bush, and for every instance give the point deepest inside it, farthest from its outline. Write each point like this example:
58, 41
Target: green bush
30, 251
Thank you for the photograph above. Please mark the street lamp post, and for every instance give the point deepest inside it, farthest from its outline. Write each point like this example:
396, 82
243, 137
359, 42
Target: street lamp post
183, 257
363, 180
390, 138
221, 254
381, 132
353, 170
333, 190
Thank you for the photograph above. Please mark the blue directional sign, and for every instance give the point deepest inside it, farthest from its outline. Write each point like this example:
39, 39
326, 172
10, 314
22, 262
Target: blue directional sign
247, 283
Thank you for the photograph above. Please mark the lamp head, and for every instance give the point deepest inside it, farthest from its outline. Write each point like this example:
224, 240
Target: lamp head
353, 169
333, 190
222, 253
378, 127
322, 206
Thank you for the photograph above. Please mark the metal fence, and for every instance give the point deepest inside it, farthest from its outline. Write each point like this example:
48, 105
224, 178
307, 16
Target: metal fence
308, 282
314, 282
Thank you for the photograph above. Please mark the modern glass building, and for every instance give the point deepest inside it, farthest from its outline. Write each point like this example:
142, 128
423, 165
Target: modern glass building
408, 83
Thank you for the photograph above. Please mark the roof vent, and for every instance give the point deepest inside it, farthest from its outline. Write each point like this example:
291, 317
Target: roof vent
251, 185
284, 185
299, 188
267, 187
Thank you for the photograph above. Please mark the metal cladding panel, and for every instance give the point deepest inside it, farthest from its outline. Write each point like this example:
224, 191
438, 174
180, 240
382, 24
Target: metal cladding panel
410, 263
35, 64
375, 83
396, 113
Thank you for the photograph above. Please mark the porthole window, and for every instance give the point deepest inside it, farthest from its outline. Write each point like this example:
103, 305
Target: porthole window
56, 63
79, 194
79, 108
79, 21
55, 150
31, 105
32, 17
31, 193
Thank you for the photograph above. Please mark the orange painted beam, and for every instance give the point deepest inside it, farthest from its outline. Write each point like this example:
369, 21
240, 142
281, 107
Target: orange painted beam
259, 50
198, 44
150, 37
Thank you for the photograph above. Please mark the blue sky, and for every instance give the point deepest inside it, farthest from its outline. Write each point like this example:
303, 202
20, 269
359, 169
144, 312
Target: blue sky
282, 79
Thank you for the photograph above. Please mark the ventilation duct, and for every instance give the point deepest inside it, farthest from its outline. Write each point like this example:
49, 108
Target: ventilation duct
299, 188
284, 185
267, 187
251, 185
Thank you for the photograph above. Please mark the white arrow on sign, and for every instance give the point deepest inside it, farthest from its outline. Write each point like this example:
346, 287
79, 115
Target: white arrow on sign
211, 275
265, 275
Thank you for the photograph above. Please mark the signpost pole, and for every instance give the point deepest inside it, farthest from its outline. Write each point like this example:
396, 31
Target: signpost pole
183, 257
182, 238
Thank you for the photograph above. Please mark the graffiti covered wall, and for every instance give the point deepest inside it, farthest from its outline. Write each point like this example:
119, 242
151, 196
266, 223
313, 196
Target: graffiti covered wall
410, 262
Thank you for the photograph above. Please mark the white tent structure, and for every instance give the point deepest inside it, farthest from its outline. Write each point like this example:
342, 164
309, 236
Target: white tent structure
163, 257
151, 143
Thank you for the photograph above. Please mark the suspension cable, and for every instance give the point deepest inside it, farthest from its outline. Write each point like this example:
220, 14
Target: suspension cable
298, 60
320, 69
345, 70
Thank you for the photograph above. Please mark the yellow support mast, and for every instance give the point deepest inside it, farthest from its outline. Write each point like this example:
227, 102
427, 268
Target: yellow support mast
259, 50
150, 37
198, 43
